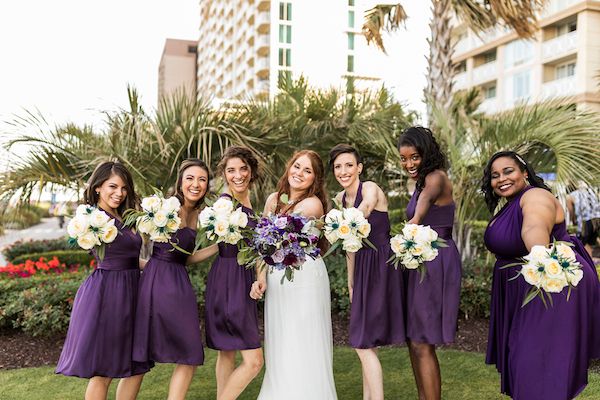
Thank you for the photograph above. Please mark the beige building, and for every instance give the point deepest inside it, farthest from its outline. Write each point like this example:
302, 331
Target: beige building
562, 60
247, 47
177, 68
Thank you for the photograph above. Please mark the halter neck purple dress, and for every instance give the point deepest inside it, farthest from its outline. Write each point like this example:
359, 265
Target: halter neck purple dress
376, 312
432, 305
167, 326
231, 315
100, 337
541, 354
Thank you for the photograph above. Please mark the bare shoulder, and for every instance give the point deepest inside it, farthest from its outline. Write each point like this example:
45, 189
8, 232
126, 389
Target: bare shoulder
310, 207
371, 187
437, 177
270, 203
537, 196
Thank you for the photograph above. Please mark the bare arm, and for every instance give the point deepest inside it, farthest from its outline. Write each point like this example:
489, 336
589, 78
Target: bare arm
202, 254
310, 207
571, 209
142, 264
434, 187
370, 194
539, 215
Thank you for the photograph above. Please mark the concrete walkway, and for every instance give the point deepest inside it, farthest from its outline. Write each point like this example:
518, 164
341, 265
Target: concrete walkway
47, 229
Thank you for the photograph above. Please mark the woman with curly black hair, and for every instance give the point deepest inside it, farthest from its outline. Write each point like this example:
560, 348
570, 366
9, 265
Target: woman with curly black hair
431, 301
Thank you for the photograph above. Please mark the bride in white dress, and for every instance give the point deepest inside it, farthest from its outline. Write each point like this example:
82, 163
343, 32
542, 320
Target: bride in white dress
298, 338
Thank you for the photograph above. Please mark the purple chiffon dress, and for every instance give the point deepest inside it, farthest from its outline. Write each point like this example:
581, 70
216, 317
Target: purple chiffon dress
231, 315
432, 305
541, 354
100, 337
376, 313
167, 326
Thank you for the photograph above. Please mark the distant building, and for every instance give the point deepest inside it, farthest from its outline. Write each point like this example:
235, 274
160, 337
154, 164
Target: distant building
246, 47
562, 60
177, 69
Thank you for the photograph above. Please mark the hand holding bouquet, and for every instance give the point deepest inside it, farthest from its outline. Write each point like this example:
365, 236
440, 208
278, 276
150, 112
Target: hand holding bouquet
347, 227
92, 228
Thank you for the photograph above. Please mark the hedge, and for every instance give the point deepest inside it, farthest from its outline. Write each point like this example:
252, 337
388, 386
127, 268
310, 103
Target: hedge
22, 247
69, 257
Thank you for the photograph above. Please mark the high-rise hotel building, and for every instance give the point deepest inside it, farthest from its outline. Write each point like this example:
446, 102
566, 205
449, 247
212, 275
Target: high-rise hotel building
562, 60
246, 47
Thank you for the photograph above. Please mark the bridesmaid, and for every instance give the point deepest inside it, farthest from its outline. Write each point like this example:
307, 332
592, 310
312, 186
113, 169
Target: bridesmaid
551, 347
231, 316
431, 305
167, 326
99, 340
376, 316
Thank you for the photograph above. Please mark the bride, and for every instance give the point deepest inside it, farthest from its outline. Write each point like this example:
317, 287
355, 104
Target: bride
298, 339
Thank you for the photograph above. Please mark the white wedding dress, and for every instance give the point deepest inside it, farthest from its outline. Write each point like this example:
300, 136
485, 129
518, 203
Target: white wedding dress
298, 338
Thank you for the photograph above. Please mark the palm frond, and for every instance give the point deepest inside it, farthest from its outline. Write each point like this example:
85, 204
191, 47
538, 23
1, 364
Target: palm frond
382, 17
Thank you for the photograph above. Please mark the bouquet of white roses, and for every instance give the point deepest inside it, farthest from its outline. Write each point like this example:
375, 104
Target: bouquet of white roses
92, 228
549, 270
222, 222
158, 218
416, 245
347, 227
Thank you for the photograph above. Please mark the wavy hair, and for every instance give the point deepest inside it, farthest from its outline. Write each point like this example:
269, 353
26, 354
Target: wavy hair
432, 157
244, 154
103, 172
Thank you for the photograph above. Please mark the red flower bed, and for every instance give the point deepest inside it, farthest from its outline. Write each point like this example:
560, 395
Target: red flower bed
30, 267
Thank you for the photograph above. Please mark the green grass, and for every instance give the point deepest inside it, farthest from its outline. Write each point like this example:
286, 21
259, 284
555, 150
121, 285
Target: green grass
464, 375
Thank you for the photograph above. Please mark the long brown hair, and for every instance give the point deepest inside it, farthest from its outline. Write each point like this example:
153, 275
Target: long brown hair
316, 189
185, 164
244, 154
101, 174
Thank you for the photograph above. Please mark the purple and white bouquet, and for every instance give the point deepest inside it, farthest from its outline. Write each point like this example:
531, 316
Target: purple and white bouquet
282, 242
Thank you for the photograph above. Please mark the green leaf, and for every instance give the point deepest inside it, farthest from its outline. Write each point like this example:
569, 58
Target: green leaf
333, 248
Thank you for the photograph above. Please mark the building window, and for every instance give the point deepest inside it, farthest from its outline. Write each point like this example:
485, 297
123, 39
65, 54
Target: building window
285, 34
285, 11
565, 70
350, 63
489, 57
521, 85
350, 41
351, 3
461, 67
285, 57
489, 92
518, 52
284, 78
565, 28
351, 19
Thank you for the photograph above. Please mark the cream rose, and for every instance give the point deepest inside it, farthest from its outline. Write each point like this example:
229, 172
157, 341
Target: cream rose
364, 229
238, 218
574, 276
222, 206
87, 241
351, 244
145, 226
171, 204
173, 224
160, 219
98, 218
532, 275
221, 227
537, 253
565, 251
409, 231
77, 226
109, 233
552, 268
554, 285
344, 231
397, 244
152, 203
332, 216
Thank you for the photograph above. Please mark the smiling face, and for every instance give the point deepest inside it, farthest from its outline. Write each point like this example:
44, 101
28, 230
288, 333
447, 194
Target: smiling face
111, 193
194, 184
346, 169
507, 179
301, 174
410, 160
238, 175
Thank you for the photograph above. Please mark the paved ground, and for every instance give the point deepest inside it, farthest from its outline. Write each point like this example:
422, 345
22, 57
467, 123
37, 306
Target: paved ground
47, 229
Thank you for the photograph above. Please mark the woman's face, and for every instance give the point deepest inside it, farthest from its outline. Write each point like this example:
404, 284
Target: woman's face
507, 179
301, 175
237, 175
410, 160
112, 193
194, 184
346, 169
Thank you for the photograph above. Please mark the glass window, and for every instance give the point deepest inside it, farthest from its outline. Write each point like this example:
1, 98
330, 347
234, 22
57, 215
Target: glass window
518, 52
285, 11
521, 85
285, 57
490, 92
565, 70
351, 3
351, 19
350, 63
489, 57
350, 41
285, 34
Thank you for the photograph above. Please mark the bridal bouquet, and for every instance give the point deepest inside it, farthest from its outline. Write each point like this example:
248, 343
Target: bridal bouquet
549, 270
221, 223
347, 227
158, 218
282, 242
416, 245
92, 228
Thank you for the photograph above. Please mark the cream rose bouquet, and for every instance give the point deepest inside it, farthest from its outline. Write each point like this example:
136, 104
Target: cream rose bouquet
222, 222
158, 218
416, 245
348, 228
92, 228
549, 269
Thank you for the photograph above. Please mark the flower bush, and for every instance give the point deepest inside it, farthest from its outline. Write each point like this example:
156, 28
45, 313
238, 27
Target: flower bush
23, 247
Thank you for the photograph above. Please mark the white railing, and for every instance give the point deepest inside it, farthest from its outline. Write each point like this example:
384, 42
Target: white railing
555, 6
460, 81
473, 41
262, 41
262, 63
263, 18
485, 72
559, 45
559, 87
489, 106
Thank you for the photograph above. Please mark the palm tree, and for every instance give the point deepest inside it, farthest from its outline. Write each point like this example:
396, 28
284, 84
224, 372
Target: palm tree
478, 15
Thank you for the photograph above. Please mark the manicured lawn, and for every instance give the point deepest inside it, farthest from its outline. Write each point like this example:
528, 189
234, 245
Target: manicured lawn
465, 377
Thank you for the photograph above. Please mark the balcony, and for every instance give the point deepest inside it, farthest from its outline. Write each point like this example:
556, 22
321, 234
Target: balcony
263, 22
559, 87
555, 6
460, 81
262, 44
264, 5
560, 46
489, 106
484, 73
262, 67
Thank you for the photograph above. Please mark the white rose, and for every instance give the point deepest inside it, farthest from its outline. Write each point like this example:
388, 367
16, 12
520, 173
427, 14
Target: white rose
554, 285
151, 203
87, 241
84, 209
417, 249
171, 204
426, 234
532, 275
552, 268
98, 218
364, 229
397, 244
77, 226
331, 236
429, 253
537, 253
223, 206
344, 231
409, 231
574, 276
160, 219
157, 236
410, 262
207, 216
109, 232
565, 251
173, 224
233, 238
238, 218
332, 216
351, 244
353, 214
221, 227
145, 225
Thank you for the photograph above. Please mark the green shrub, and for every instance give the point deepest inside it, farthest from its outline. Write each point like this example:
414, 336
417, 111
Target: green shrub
338, 281
22, 217
198, 274
476, 288
69, 257
34, 246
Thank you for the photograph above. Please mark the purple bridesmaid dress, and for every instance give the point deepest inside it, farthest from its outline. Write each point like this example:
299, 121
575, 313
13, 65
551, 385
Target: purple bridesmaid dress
231, 315
541, 354
167, 326
100, 337
432, 305
376, 313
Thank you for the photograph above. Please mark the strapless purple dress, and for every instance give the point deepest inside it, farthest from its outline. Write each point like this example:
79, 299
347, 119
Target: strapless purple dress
376, 312
541, 354
100, 337
167, 326
231, 315
432, 305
